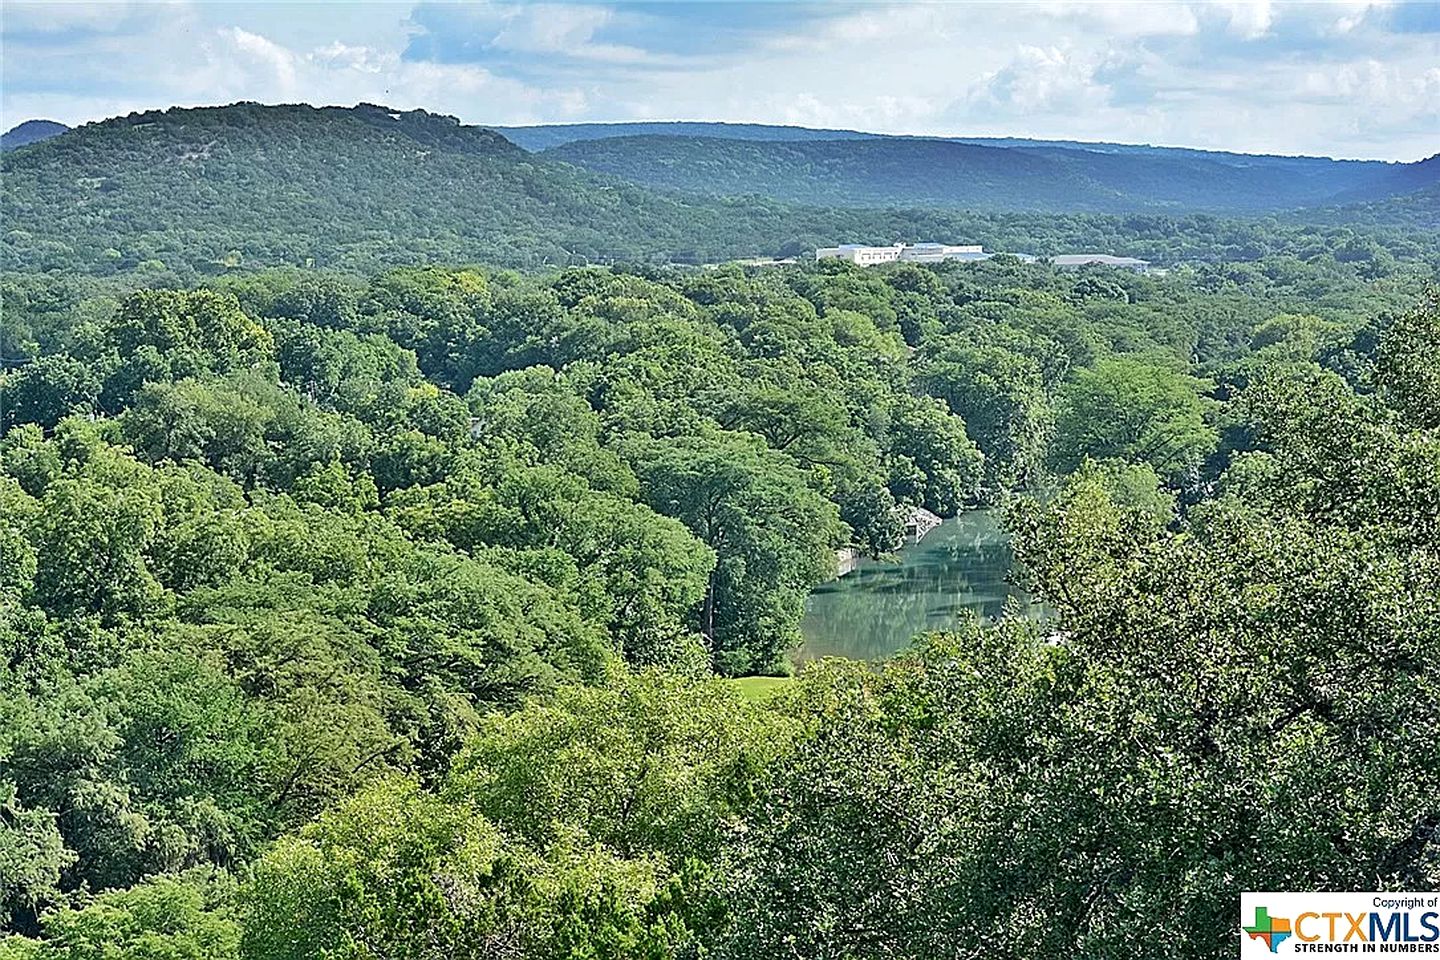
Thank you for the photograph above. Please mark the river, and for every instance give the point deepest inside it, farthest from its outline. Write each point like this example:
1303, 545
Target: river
873, 611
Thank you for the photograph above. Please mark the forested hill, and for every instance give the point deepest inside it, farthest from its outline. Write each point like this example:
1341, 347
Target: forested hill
31, 131
298, 185
890, 171
1419, 211
205, 191
545, 136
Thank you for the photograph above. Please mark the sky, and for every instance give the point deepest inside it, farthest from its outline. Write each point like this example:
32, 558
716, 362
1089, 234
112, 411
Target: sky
1353, 78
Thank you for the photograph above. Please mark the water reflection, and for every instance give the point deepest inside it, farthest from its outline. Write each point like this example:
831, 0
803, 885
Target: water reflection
874, 611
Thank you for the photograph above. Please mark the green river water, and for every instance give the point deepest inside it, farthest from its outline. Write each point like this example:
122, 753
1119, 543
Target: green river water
873, 611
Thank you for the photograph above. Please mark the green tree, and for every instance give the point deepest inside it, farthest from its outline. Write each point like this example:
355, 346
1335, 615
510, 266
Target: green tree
90, 544
32, 858
774, 538
1130, 409
182, 917
1408, 363
173, 334
1000, 397
399, 872
647, 763
48, 389
931, 461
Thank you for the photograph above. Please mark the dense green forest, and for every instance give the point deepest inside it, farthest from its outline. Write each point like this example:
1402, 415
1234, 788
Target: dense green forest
1416, 213
883, 171
359, 600
392, 615
182, 195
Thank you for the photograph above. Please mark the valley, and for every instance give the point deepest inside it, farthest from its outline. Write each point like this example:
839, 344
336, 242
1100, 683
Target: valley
422, 539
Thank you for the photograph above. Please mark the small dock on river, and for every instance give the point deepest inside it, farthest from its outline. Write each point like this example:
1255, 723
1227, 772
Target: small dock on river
918, 522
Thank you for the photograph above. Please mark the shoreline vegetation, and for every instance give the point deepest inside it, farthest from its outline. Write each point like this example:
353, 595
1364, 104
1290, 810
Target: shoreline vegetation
442, 611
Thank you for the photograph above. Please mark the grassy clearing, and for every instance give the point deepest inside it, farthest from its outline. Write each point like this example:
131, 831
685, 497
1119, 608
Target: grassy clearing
761, 688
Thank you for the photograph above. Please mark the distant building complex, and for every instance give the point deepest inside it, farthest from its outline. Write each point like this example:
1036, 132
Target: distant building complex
907, 252
864, 256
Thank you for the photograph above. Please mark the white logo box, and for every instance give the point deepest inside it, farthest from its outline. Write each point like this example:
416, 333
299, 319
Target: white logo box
1278, 924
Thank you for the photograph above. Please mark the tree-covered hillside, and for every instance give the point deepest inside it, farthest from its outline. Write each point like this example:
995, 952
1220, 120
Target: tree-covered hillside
1316, 168
298, 185
386, 616
1416, 213
31, 131
182, 194
948, 173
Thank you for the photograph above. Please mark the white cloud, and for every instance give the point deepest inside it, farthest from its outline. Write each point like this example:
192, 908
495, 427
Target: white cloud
567, 30
1350, 14
267, 54
338, 55
1249, 19
559, 28
1042, 79
1237, 74
1375, 85
189, 64
1131, 19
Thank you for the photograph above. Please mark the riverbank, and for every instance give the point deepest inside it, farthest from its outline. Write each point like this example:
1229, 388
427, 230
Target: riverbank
959, 568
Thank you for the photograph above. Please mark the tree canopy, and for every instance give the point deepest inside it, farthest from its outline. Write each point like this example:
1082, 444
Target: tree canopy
397, 615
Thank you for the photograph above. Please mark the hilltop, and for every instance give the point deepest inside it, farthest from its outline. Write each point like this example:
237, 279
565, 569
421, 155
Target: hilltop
547, 135
1417, 212
31, 131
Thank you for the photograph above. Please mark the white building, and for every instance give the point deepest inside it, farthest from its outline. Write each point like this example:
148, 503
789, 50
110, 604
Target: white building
912, 253
860, 254
936, 252
1076, 260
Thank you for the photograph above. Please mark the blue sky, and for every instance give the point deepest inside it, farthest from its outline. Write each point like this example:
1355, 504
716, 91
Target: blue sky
1355, 78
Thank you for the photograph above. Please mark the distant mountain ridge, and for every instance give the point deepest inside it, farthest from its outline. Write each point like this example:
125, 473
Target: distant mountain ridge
31, 131
1416, 212
331, 186
968, 174
545, 136
853, 168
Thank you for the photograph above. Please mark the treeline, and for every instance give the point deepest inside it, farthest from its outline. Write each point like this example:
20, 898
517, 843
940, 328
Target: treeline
379, 617
184, 195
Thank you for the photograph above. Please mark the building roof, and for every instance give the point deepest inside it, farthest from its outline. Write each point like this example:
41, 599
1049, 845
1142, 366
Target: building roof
1081, 259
